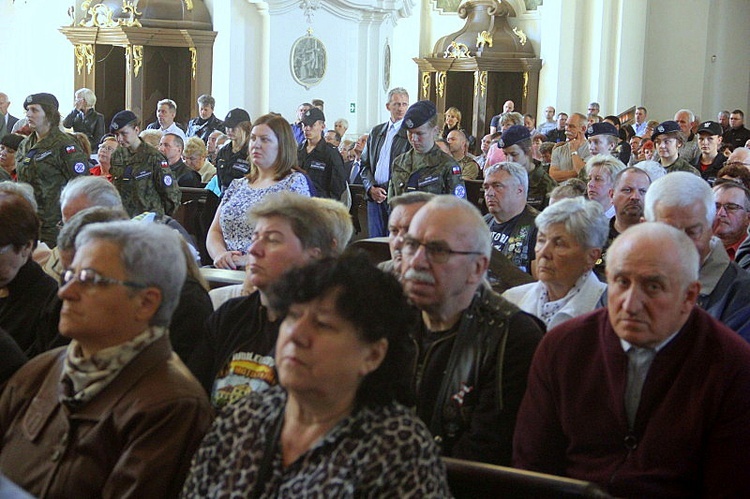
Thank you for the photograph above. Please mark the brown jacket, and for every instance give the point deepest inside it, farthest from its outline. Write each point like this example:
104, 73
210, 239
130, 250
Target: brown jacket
134, 439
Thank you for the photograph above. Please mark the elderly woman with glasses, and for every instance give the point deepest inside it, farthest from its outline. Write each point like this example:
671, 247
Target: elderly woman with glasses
338, 423
569, 243
115, 413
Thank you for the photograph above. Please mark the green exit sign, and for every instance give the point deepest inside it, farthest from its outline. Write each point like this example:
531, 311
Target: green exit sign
352, 107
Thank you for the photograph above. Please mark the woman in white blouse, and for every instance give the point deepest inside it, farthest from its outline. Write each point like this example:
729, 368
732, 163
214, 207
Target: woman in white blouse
571, 235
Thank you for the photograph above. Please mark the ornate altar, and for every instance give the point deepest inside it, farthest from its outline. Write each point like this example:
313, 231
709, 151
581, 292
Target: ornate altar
134, 53
479, 67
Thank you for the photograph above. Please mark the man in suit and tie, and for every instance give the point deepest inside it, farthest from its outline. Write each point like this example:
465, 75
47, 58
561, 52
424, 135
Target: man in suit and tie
386, 142
6, 120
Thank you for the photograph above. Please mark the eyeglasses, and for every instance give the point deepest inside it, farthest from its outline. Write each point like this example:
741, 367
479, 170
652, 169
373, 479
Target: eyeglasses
729, 207
90, 277
737, 163
436, 252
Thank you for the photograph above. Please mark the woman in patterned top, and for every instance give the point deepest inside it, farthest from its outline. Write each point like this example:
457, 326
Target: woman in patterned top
273, 167
335, 426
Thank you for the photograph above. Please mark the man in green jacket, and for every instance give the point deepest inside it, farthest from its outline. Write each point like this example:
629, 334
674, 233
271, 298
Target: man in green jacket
425, 167
140, 172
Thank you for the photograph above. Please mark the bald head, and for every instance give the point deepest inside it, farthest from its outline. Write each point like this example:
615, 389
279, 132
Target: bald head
740, 155
652, 283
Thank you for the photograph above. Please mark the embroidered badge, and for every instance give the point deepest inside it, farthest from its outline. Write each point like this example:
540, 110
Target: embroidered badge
460, 191
164, 164
70, 149
590, 130
409, 124
43, 155
79, 167
167, 180
114, 126
456, 170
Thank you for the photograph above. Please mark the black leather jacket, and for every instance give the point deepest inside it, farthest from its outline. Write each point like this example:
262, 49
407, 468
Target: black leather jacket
91, 123
198, 127
485, 362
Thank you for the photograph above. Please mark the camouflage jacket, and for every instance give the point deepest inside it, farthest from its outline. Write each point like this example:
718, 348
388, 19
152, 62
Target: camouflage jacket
433, 171
144, 181
48, 164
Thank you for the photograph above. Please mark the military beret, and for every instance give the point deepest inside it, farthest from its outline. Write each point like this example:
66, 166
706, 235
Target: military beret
121, 119
665, 127
419, 113
12, 140
312, 115
710, 127
235, 117
513, 136
602, 128
46, 99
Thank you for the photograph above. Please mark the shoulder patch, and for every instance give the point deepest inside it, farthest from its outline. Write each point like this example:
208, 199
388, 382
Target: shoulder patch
456, 170
460, 192
70, 149
164, 164
79, 167
168, 180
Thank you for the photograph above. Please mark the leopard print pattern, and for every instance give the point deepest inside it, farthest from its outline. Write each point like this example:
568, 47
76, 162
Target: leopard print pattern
376, 452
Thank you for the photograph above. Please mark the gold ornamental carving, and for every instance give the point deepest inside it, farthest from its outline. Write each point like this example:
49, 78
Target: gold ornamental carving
480, 83
520, 34
425, 85
101, 16
484, 38
134, 57
456, 51
84, 56
131, 9
440, 82
189, 4
193, 61
525, 84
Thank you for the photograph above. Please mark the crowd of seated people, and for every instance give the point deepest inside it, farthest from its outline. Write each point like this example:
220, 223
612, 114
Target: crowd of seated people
600, 298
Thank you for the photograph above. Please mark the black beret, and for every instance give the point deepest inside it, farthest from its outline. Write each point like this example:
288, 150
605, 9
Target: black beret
312, 115
121, 119
513, 136
419, 113
12, 140
602, 128
235, 117
43, 98
665, 127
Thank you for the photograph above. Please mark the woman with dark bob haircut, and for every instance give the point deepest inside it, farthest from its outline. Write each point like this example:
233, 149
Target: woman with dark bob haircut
335, 425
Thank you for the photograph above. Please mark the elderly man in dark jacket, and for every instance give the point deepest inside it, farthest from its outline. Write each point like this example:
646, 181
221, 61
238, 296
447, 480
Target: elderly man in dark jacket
474, 347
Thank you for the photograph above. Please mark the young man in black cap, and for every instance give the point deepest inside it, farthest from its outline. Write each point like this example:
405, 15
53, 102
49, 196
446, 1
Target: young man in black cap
516, 144
139, 172
710, 161
425, 168
668, 139
321, 161
231, 164
47, 159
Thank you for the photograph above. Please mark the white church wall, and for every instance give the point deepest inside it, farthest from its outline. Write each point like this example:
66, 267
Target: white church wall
38, 58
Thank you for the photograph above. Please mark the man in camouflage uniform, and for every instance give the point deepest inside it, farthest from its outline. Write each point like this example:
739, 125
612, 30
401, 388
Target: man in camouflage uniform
425, 168
47, 159
516, 144
140, 172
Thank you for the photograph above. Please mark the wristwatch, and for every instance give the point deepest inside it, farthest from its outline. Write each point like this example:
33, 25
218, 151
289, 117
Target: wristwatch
574, 153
